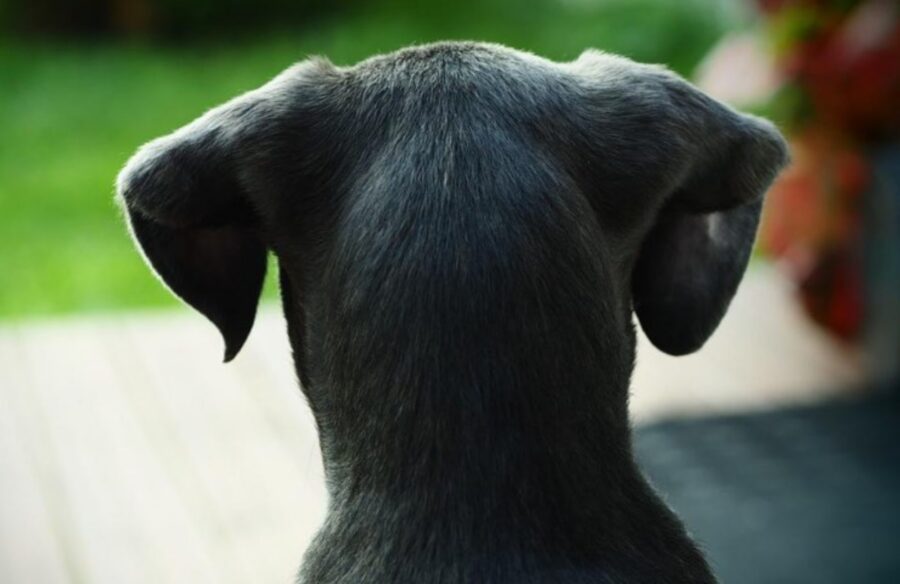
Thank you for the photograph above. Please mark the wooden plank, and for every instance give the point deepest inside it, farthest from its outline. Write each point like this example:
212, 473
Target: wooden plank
266, 370
33, 549
126, 519
252, 478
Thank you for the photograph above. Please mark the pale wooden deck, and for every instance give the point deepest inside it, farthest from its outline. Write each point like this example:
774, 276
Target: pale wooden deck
129, 453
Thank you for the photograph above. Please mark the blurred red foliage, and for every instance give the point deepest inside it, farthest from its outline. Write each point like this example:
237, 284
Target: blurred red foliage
841, 65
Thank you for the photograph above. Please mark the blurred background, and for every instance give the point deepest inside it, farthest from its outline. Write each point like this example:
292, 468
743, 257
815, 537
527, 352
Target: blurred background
128, 453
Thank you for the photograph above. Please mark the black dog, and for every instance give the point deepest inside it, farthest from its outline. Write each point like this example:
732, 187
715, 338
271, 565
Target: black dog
463, 231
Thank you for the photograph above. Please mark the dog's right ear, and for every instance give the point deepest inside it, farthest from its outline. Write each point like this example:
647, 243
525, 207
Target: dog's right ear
693, 259
190, 215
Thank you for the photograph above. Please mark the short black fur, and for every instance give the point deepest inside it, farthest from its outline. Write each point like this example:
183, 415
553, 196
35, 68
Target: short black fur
463, 231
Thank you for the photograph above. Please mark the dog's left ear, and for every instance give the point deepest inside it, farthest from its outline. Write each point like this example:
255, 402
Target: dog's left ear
694, 257
192, 219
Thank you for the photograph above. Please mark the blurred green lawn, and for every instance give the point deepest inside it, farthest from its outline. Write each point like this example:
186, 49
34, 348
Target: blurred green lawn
72, 113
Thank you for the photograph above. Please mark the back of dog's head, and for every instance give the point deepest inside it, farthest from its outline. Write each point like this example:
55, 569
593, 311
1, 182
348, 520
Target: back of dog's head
463, 232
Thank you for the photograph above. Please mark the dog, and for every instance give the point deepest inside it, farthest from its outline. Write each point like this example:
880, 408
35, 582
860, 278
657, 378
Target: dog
463, 233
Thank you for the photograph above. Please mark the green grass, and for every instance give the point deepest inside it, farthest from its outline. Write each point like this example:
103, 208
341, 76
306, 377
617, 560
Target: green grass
71, 114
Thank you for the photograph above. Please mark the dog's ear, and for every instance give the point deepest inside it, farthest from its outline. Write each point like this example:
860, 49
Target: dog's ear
191, 217
691, 262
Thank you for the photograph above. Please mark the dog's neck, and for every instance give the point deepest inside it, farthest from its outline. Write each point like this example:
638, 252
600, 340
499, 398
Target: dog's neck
459, 482
523, 491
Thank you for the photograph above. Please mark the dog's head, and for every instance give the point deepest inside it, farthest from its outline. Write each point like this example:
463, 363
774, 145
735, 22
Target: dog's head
324, 160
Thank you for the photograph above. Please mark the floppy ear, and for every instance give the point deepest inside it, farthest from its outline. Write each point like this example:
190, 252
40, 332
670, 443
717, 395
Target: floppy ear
694, 257
191, 218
